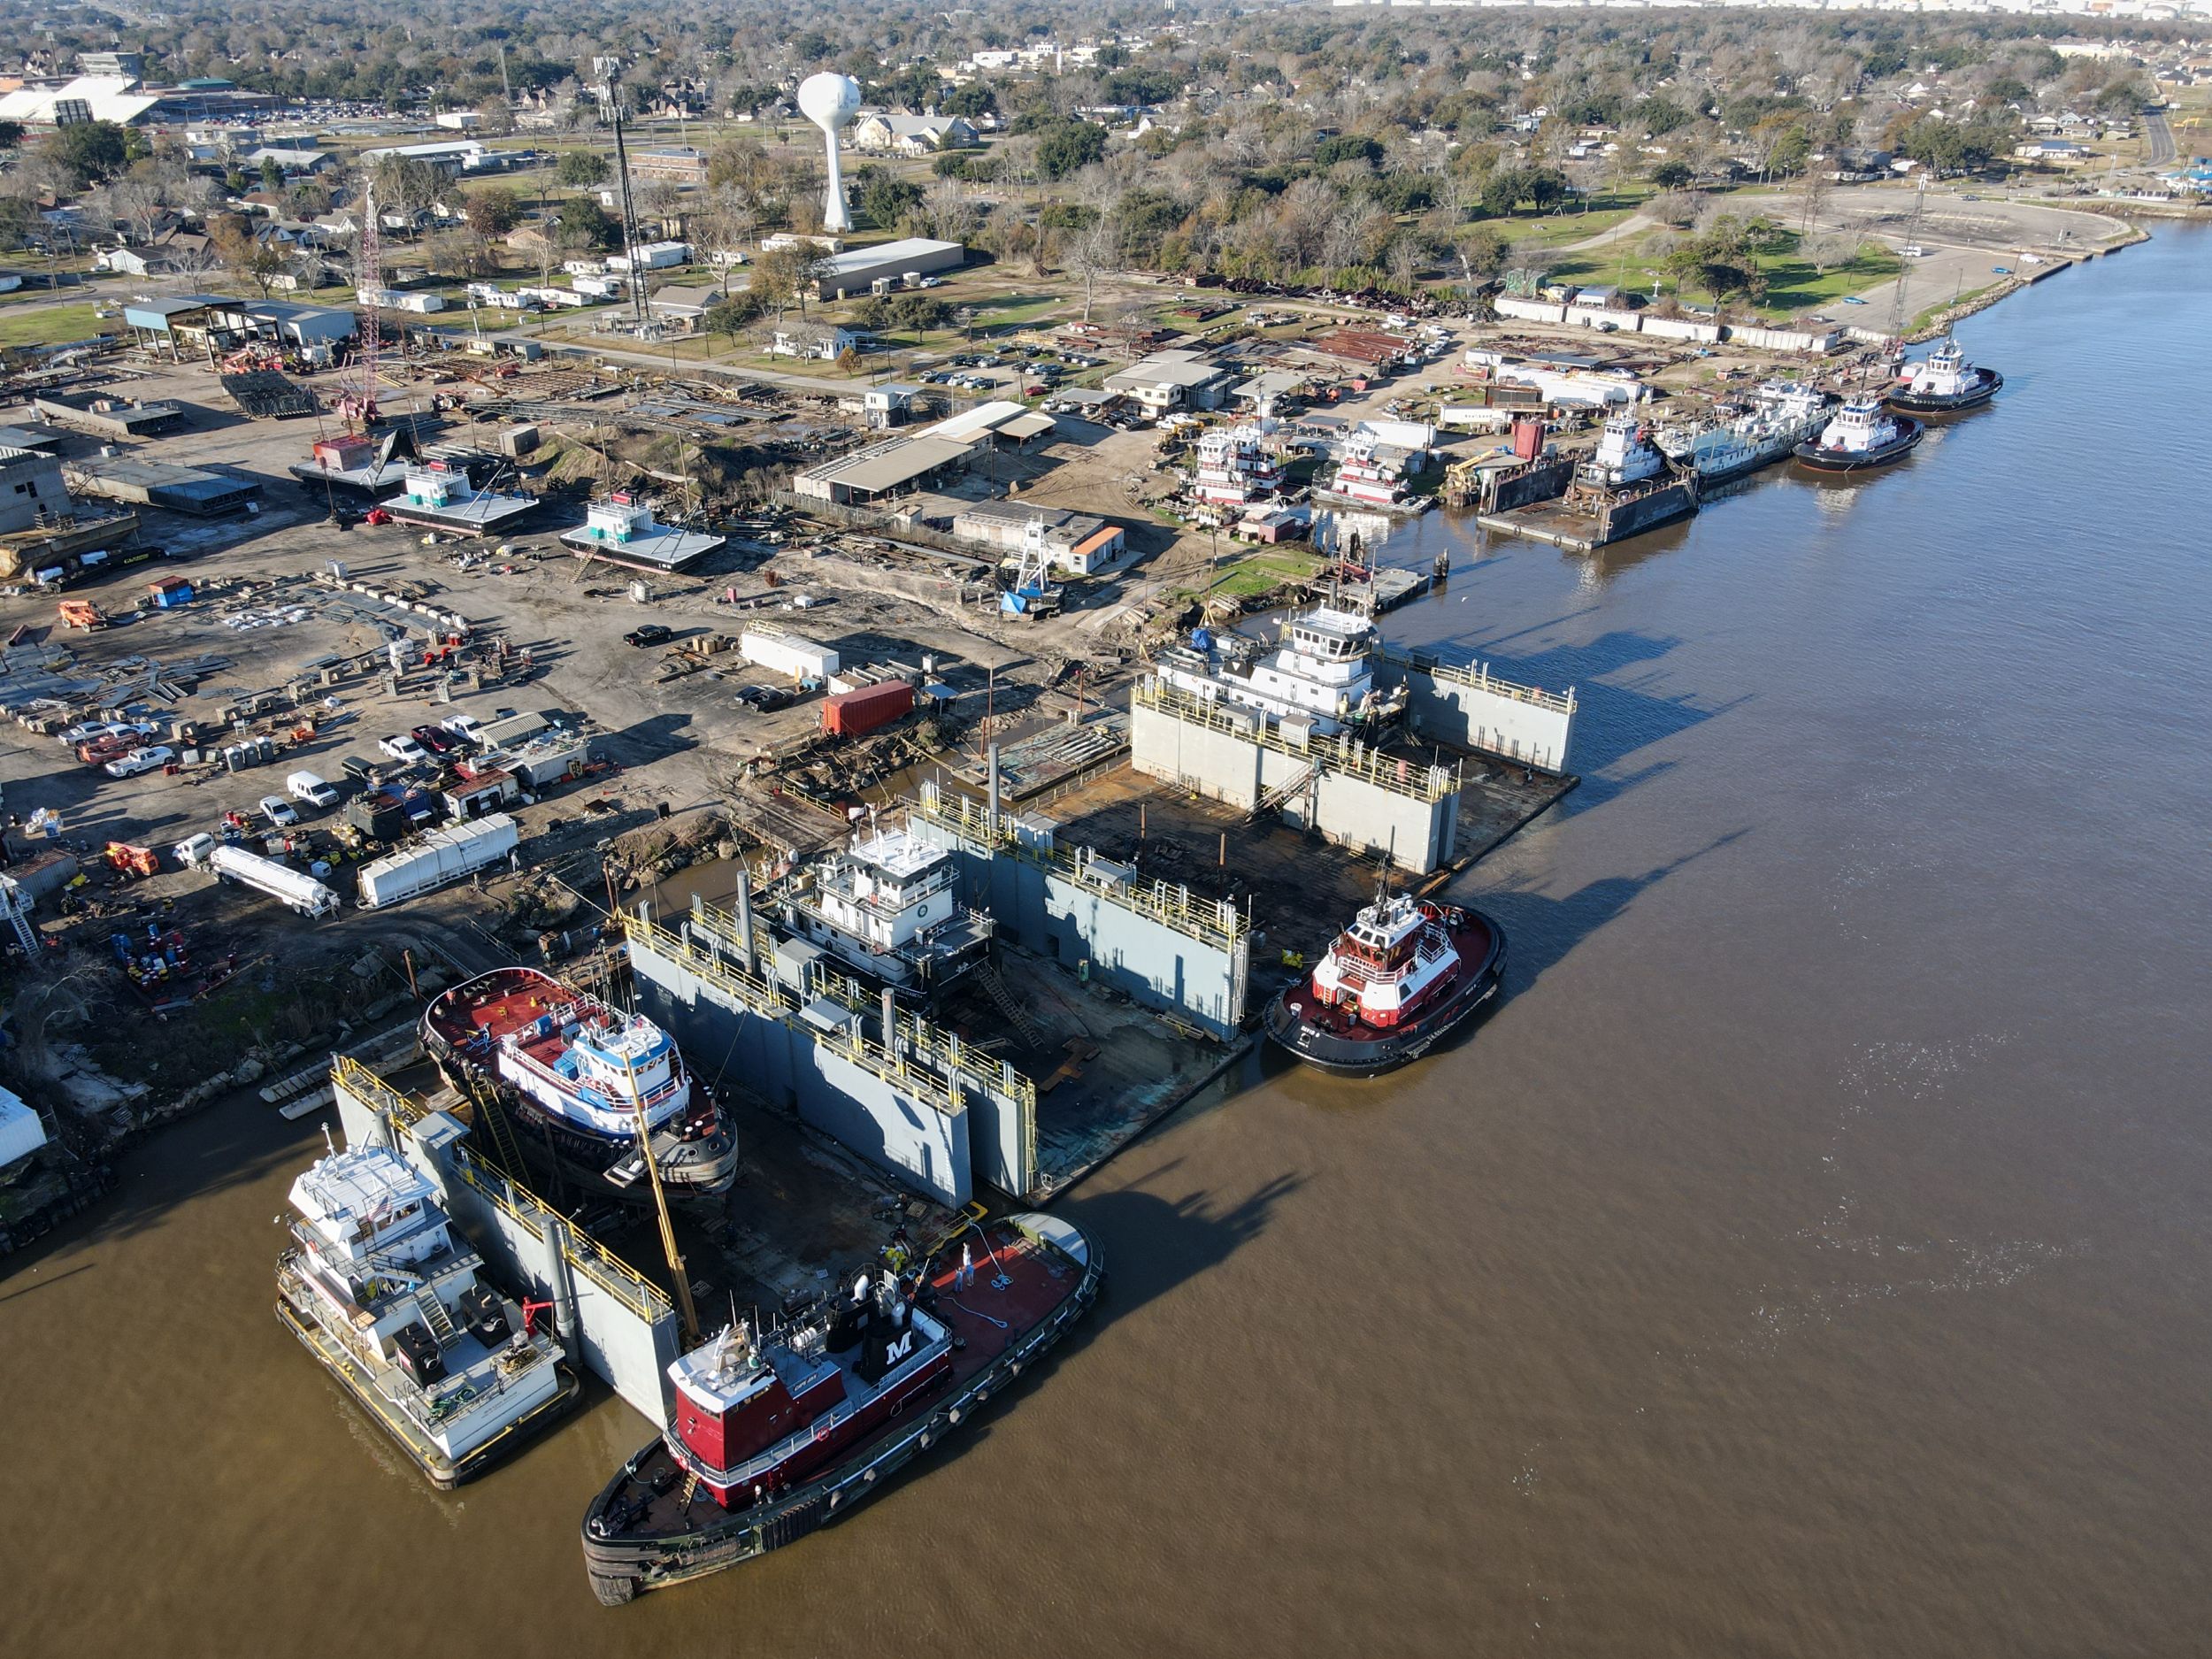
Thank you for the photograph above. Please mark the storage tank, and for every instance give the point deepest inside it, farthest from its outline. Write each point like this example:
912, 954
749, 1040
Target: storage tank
850, 713
282, 882
439, 857
792, 655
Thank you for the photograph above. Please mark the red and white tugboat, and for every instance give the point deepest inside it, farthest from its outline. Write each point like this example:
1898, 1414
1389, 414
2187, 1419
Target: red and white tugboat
1401, 976
575, 1074
779, 1432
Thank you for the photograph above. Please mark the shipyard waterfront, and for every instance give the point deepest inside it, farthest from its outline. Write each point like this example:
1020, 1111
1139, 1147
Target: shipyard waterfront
1802, 1255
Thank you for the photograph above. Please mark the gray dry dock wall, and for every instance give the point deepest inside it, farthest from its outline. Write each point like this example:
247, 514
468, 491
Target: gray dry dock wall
1417, 835
1050, 912
522, 1243
725, 1035
1466, 709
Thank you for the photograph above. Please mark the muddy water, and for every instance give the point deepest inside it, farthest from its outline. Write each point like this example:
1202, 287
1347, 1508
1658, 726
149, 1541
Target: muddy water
1809, 1257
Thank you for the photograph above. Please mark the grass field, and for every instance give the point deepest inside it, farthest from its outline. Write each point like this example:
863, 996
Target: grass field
49, 325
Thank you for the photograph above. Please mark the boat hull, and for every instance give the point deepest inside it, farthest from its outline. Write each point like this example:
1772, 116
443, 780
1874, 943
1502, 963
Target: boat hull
1351, 1048
624, 1559
1813, 457
441, 1470
1952, 404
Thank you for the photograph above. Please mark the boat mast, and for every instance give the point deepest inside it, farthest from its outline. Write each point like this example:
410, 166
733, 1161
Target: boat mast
660, 1209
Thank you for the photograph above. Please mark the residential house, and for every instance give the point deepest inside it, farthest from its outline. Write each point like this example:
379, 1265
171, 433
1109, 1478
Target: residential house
911, 134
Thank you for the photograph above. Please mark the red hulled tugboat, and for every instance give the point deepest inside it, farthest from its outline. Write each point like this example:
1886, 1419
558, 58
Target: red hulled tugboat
779, 1432
1401, 976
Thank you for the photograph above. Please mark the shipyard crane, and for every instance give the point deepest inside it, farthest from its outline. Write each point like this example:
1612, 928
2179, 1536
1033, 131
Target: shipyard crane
609, 91
1031, 593
361, 405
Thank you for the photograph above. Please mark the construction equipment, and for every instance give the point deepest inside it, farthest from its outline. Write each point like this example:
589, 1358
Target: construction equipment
1031, 593
81, 613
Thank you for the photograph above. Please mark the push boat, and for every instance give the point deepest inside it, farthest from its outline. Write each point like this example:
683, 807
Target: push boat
1404, 973
1863, 434
1944, 383
778, 1432
574, 1075
380, 1289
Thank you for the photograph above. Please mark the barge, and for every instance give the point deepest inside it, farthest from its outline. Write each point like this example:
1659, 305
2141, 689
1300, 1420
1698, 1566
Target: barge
1627, 487
778, 1433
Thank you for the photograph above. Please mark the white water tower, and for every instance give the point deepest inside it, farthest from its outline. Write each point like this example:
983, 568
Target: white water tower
830, 102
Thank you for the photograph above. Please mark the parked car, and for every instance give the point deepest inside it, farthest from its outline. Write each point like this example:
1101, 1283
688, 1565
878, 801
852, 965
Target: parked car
435, 739
362, 771
465, 727
93, 731
141, 760
279, 811
648, 633
403, 748
765, 699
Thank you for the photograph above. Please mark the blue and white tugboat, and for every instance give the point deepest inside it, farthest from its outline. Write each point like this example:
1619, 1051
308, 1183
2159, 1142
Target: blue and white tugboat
1862, 435
1943, 383
575, 1076
1404, 973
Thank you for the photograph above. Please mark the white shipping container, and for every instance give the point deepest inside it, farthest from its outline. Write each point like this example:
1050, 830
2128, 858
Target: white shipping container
442, 856
792, 655
302, 893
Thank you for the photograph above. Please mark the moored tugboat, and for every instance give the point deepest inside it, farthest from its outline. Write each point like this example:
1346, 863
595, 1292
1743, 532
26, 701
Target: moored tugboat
1944, 383
380, 1289
1404, 973
778, 1432
575, 1074
1863, 434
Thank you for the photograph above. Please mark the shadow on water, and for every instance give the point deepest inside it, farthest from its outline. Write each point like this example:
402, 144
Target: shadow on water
1542, 930
237, 1142
1614, 719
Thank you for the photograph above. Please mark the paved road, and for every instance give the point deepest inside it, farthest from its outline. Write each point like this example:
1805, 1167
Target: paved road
2159, 140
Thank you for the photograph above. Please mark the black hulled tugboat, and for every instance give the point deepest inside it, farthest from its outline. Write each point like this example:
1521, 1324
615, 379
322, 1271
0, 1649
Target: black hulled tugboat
1862, 435
1403, 973
1943, 383
778, 1432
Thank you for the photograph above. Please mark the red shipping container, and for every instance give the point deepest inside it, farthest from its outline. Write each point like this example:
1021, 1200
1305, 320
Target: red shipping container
850, 713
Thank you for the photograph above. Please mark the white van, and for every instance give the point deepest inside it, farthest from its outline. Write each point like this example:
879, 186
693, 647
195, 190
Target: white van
305, 786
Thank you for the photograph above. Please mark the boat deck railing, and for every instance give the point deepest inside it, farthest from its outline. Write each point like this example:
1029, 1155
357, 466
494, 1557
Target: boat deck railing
608, 1272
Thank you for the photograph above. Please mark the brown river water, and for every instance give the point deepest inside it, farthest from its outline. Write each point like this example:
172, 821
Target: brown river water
1809, 1257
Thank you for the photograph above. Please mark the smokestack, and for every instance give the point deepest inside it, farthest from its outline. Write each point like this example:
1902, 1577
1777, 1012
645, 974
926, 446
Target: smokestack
890, 1022
745, 914
991, 823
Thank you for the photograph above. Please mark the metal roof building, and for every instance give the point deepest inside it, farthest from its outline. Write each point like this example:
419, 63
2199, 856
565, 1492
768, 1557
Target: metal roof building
889, 468
852, 270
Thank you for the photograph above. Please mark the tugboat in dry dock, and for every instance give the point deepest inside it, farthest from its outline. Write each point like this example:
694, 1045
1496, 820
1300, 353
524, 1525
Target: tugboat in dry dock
778, 1432
577, 1074
1863, 434
1402, 975
1944, 383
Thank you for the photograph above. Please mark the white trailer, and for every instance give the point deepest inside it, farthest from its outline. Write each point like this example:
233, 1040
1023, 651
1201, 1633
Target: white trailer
549, 760
793, 656
282, 882
441, 857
